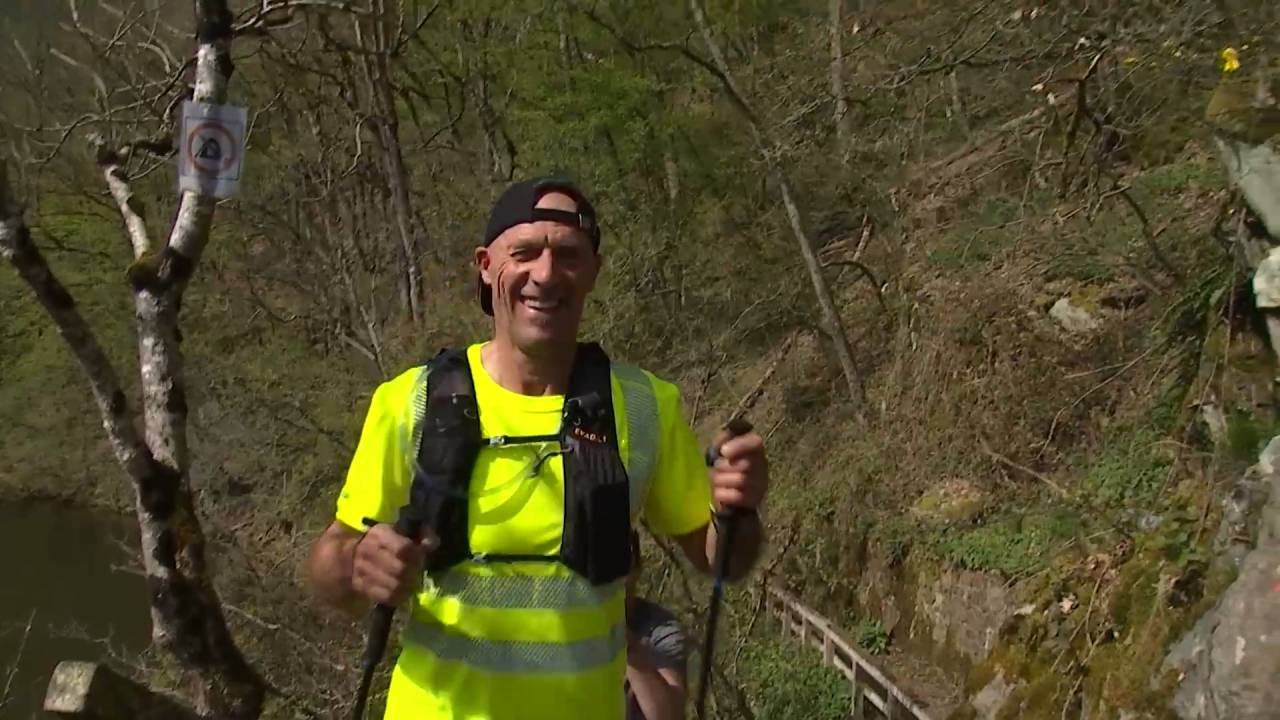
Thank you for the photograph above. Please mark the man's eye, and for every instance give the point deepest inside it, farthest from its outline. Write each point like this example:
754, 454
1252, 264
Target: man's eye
523, 254
570, 256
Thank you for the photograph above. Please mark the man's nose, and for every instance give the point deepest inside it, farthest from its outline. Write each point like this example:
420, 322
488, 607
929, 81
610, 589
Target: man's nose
544, 268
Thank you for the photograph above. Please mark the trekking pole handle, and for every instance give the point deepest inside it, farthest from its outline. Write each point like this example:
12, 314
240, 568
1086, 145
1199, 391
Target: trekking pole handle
726, 523
737, 426
409, 526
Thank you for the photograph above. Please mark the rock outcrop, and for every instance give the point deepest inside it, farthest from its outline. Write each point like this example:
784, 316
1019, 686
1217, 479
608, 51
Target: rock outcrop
1228, 665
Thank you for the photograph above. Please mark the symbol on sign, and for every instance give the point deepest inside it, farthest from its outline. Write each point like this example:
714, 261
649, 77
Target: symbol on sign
211, 148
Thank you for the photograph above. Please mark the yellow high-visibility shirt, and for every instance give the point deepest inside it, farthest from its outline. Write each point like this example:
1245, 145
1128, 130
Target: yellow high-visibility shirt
521, 640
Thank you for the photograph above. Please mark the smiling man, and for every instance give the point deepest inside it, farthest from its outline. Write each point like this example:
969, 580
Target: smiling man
537, 457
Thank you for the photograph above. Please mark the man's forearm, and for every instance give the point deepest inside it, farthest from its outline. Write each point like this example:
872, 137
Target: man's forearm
329, 571
748, 539
658, 699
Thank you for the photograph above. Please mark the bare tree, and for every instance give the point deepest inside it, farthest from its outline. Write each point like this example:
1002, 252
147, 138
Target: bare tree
843, 119
769, 151
376, 44
187, 618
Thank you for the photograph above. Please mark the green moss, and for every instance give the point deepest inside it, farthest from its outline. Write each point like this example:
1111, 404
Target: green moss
1126, 469
1176, 177
1038, 699
1248, 433
1009, 545
1132, 622
950, 503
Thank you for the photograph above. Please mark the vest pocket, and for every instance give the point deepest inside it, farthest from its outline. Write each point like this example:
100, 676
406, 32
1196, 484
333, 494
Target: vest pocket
596, 541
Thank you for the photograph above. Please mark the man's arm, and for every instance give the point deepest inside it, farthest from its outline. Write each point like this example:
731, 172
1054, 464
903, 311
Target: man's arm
350, 570
330, 566
699, 546
659, 691
739, 479
656, 662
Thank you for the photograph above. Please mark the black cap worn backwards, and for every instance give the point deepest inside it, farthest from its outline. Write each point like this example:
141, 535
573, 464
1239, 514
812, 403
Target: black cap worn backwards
516, 206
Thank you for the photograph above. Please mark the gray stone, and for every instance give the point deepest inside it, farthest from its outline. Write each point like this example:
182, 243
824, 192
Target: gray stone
1188, 658
967, 609
1245, 656
1214, 419
1228, 666
1149, 521
1073, 318
1255, 169
1266, 281
90, 691
1240, 517
992, 698
1269, 467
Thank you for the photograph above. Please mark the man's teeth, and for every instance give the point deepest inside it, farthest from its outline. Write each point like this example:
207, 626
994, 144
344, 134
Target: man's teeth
541, 304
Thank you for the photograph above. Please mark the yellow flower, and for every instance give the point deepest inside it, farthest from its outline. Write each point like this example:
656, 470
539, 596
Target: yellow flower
1230, 60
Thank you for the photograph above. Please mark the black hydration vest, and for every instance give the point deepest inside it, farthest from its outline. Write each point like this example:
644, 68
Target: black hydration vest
597, 508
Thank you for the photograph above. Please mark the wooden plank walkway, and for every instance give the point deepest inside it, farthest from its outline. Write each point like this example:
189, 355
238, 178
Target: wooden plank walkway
868, 687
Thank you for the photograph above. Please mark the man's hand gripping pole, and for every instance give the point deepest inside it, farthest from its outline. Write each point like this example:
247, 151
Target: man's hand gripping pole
408, 525
726, 523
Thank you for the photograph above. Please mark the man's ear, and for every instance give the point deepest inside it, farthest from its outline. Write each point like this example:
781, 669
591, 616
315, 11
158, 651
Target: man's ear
483, 263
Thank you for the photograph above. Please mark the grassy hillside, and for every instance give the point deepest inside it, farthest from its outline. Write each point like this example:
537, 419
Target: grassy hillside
977, 192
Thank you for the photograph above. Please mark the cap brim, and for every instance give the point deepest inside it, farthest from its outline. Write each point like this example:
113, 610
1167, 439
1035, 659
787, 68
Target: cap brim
486, 295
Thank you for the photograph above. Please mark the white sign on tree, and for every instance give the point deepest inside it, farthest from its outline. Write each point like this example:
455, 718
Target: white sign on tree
211, 149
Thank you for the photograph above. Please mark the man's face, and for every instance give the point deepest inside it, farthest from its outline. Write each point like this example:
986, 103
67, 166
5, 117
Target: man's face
540, 274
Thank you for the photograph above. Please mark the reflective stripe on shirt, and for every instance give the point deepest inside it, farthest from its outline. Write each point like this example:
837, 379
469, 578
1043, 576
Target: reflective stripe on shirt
520, 592
519, 656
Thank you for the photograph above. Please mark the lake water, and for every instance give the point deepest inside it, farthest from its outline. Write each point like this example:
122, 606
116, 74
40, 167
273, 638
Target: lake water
68, 572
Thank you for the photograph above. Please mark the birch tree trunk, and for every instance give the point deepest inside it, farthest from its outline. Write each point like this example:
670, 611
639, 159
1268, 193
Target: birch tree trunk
186, 614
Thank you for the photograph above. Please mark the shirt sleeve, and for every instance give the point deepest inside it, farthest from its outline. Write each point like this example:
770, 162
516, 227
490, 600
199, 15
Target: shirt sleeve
679, 499
377, 483
667, 640
661, 633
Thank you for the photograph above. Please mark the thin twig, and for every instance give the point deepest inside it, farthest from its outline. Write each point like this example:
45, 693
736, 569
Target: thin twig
748, 401
1070, 695
1148, 235
1054, 425
1023, 468
17, 660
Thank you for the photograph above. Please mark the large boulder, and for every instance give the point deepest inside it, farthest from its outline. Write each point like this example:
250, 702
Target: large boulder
1228, 665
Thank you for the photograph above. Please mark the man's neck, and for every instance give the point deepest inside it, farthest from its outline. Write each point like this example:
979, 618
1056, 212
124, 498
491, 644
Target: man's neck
527, 374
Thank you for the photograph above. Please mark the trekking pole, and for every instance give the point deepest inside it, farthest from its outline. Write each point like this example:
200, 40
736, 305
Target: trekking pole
380, 618
726, 527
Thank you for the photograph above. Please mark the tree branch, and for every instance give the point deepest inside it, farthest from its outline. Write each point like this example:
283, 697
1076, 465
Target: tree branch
280, 12
130, 207
17, 247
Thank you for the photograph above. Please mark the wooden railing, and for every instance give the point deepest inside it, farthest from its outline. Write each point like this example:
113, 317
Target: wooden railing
867, 685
